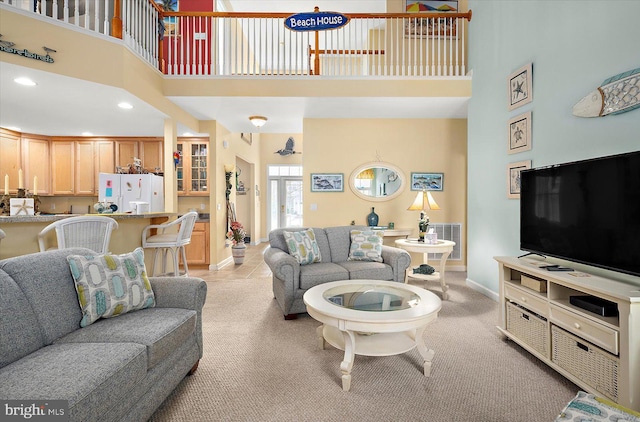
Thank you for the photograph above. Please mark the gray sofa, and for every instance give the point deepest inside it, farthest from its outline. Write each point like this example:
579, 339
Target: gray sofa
116, 369
291, 280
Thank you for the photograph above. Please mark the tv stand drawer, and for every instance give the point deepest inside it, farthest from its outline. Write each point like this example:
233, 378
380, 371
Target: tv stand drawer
591, 331
526, 299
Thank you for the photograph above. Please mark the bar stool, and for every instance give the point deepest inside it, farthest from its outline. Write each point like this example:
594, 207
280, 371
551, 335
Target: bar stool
92, 232
170, 242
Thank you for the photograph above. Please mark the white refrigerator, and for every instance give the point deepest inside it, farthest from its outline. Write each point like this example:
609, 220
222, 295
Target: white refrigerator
129, 190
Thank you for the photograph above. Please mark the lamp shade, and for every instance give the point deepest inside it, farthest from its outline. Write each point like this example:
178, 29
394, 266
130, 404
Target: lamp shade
424, 201
258, 121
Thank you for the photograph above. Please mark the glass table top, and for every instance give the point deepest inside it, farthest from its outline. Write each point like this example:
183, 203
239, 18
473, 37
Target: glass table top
369, 297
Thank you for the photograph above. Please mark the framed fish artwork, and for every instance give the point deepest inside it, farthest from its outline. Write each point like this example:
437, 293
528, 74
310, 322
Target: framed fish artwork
520, 86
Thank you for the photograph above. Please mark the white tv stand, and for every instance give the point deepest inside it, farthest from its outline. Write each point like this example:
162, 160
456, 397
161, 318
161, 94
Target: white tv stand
600, 354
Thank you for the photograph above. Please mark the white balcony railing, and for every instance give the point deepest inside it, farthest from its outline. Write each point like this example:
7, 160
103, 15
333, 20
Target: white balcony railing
259, 44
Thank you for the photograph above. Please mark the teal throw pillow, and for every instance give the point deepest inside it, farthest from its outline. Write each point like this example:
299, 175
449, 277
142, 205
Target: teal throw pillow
303, 246
366, 245
111, 285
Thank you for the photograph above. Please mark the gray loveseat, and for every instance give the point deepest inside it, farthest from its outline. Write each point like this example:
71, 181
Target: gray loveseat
291, 280
116, 369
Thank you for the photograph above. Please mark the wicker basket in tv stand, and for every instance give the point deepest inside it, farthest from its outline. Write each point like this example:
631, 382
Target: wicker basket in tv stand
599, 354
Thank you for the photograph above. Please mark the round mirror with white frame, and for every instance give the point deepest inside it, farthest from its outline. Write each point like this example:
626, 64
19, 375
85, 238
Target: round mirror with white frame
377, 181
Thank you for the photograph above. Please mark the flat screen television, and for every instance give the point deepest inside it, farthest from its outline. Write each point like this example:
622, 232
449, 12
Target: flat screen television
585, 211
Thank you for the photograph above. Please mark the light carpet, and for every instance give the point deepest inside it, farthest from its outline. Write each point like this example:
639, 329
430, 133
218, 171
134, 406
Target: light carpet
259, 367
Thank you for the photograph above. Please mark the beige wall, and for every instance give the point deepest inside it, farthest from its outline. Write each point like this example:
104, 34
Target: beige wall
269, 144
413, 145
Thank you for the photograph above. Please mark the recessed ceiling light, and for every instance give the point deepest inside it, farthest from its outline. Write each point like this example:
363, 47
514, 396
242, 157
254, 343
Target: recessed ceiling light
187, 134
87, 134
126, 106
24, 81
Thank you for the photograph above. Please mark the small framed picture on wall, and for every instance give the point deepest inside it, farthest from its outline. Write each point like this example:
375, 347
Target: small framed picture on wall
327, 182
513, 177
520, 133
520, 86
427, 181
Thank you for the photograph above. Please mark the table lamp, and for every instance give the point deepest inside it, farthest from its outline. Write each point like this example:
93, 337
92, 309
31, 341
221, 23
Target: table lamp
423, 202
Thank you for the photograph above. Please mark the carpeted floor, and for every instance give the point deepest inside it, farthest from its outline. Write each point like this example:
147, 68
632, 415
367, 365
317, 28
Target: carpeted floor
259, 367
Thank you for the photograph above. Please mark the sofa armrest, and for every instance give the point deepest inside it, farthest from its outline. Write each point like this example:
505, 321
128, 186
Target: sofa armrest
184, 293
398, 259
179, 292
284, 266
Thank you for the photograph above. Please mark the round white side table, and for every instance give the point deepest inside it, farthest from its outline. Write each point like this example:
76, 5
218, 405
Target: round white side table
445, 247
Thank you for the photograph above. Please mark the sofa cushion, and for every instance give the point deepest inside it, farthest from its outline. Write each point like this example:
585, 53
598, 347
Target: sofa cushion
302, 246
110, 285
20, 332
91, 376
366, 245
362, 270
45, 280
321, 272
161, 330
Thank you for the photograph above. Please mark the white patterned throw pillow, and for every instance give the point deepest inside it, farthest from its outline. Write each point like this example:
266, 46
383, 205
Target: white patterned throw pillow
366, 245
110, 285
302, 246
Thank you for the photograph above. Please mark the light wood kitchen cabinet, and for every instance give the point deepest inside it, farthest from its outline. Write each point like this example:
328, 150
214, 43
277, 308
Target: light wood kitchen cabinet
193, 168
35, 152
62, 167
149, 151
105, 157
198, 250
85, 172
76, 164
10, 159
126, 151
152, 155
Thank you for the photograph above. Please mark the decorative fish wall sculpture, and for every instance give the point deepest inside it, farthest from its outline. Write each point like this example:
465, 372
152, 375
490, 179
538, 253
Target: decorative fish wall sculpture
618, 94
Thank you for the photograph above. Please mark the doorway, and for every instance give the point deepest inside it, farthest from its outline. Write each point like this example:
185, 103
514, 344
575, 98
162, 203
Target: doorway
284, 190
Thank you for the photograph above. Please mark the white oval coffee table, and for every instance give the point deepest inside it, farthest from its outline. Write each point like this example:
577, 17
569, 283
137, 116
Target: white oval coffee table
372, 318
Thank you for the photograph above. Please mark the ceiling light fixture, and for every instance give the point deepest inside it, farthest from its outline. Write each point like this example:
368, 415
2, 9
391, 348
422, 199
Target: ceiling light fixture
125, 106
258, 121
24, 81
87, 134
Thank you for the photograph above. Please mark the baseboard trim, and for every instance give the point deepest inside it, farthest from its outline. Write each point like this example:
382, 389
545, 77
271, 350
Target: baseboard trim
224, 263
482, 289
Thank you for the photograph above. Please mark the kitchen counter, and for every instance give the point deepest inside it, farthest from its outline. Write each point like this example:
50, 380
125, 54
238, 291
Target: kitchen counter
49, 218
22, 231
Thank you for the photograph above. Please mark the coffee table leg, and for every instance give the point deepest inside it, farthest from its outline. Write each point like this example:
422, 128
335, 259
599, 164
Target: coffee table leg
443, 283
347, 363
320, 337
427, 354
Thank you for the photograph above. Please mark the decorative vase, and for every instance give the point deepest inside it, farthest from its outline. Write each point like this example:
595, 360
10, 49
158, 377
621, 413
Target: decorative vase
372, 218
237, 251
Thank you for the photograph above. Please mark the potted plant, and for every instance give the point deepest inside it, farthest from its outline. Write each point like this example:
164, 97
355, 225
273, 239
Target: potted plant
236, 235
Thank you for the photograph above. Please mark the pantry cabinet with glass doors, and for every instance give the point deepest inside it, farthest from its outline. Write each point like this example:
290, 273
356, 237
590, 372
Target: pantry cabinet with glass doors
193, 167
